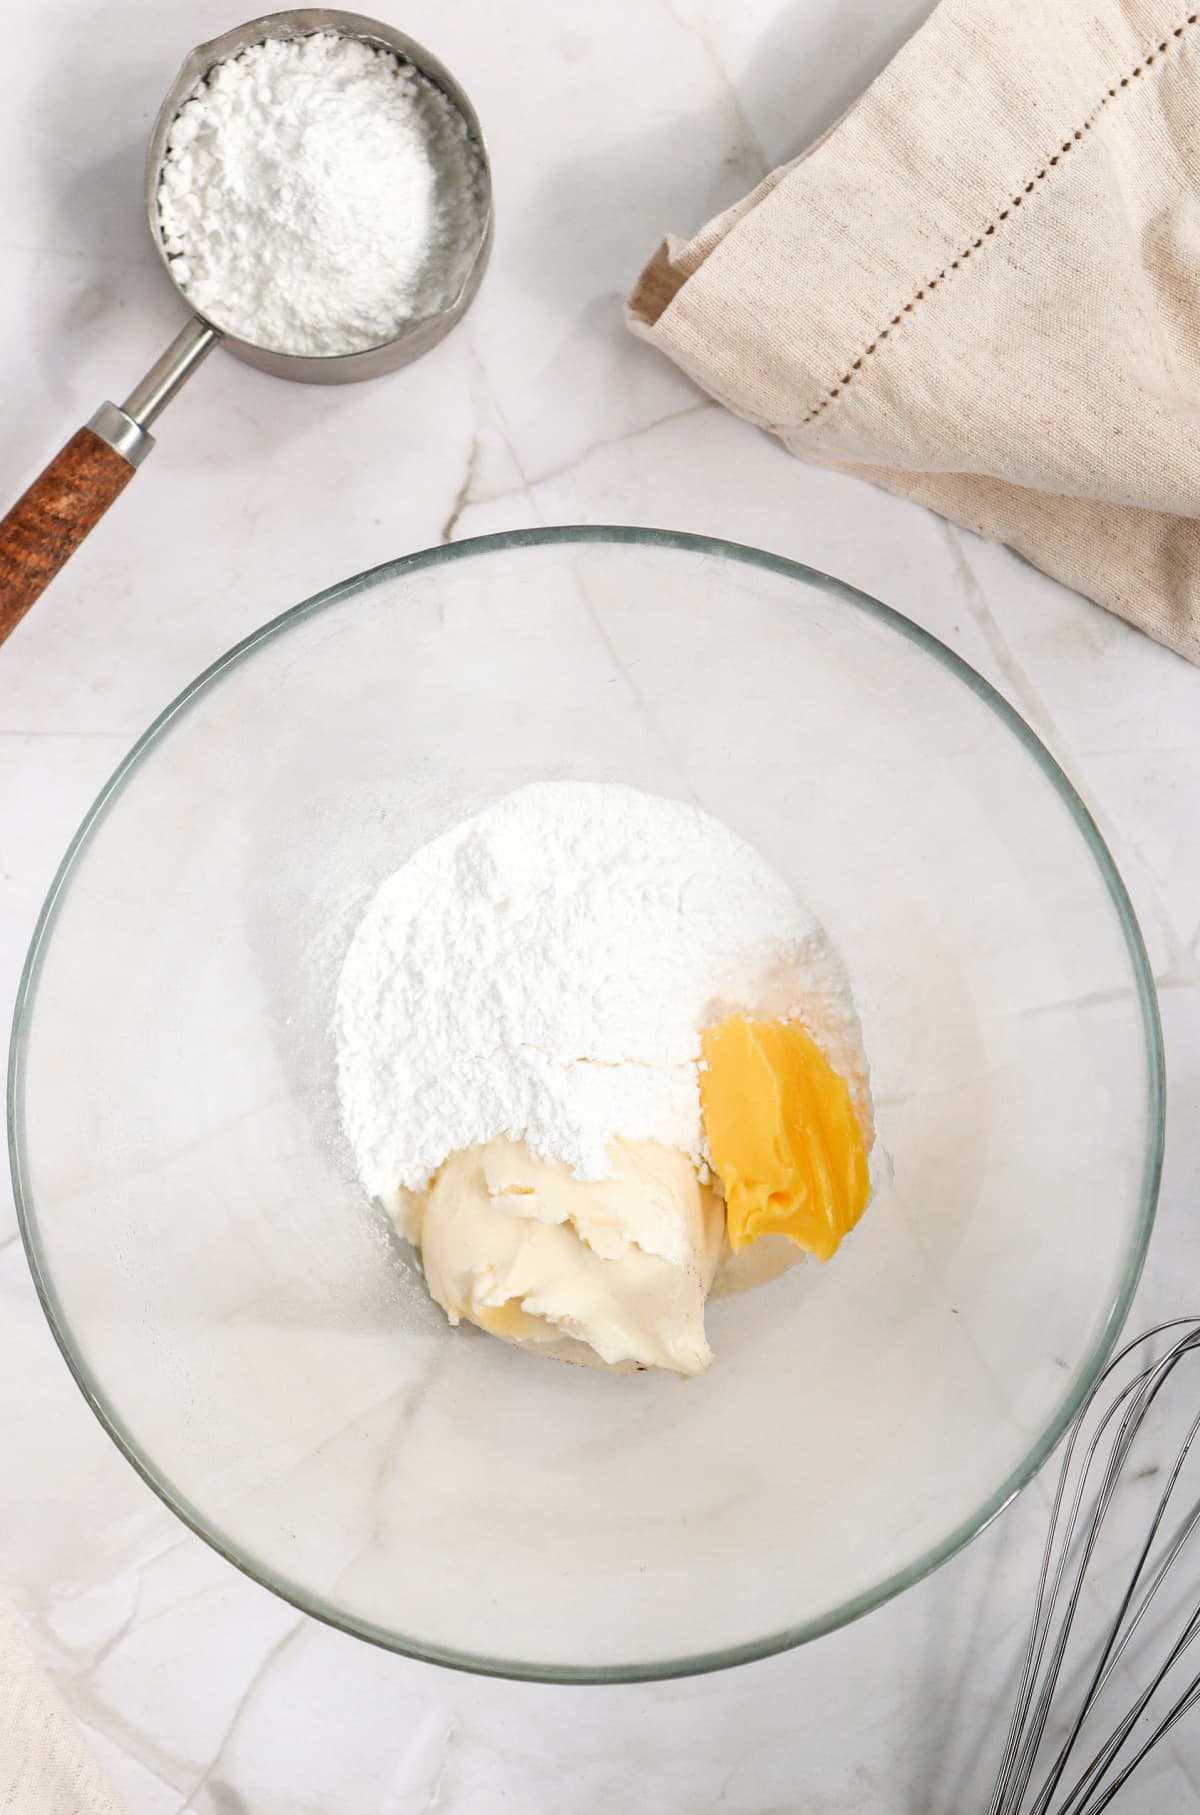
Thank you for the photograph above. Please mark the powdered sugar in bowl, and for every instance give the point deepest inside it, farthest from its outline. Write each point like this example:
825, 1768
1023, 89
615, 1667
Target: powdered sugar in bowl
318, 189
243, 1319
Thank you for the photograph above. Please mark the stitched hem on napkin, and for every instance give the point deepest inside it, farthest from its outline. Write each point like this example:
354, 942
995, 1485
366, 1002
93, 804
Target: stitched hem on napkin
979, 290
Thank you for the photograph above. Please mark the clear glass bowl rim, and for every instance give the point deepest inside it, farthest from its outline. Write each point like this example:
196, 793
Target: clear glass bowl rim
303, 1599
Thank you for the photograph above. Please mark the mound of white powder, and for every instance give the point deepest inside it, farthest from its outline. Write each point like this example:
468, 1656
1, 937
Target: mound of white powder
543, 970
318, 194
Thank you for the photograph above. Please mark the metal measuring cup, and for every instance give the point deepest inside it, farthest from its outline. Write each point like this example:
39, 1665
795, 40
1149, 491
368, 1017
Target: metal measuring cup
49, 522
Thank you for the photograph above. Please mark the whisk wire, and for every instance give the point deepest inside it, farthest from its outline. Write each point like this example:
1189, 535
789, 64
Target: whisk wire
1013, 1761
1155, 1379
1108, 1753
1093, 1468
1025, 1735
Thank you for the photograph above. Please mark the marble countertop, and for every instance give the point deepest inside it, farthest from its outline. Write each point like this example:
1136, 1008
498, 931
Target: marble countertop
608, 126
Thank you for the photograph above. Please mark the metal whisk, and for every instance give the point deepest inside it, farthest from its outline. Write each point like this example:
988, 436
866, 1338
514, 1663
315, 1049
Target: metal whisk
1053, 1728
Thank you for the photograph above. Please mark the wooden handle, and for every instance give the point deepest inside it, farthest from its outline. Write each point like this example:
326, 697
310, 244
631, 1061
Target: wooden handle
47, 525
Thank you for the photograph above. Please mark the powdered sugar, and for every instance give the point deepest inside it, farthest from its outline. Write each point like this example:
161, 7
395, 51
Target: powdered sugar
543, 971
318, 194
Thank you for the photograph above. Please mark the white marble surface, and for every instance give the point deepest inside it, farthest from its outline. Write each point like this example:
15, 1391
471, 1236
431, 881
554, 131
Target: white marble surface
608, 125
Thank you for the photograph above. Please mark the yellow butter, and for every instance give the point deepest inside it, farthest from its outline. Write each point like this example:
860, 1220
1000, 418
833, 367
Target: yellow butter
785, 1140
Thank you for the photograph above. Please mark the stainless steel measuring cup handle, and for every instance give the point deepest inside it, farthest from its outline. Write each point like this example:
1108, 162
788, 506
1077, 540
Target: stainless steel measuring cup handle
65, 503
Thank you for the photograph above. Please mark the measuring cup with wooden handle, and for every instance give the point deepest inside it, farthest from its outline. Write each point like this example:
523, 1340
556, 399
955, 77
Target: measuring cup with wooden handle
66, 502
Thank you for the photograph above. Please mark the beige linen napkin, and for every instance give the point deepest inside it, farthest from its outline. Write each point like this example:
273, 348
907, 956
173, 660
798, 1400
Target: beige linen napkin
981, 290
45, 1769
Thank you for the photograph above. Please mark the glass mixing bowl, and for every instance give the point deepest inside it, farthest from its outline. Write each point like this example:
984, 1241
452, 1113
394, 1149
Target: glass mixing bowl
262, 1348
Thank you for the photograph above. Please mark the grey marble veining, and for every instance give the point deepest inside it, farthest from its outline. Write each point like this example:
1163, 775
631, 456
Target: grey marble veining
608, 127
